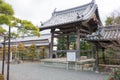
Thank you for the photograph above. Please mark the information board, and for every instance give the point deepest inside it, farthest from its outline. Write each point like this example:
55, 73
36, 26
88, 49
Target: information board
71, 56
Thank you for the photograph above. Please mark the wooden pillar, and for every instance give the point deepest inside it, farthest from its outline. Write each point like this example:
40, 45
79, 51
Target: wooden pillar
92, 48
78, 43
49, 50
103, 55
52, 42
97, 60
67, 45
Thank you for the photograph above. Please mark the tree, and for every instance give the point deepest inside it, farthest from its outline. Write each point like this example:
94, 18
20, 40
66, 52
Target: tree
6, 17
5, 8
84, 45
6, 50
2, 31
14, 35
42, 53
14, 51
113, 19
21, 50
61, 45
109, 21
5, 12
32, 51
28, 28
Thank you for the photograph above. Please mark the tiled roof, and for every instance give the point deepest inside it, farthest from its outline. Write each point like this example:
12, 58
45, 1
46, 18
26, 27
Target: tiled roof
32, 38
106, 37
43, 40
71, 15
105, 33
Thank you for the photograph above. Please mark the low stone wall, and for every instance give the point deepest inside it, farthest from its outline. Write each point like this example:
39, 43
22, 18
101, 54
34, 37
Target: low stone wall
62, 63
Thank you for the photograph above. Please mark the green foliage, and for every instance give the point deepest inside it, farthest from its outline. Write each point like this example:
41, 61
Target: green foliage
14, 35
113, 19
28, 28
21, 47
32, 51
109, 21
13, 50
1, 51
110, 51
4, 19
61, 45
6, 9
28, 25
42, 53
84, 45
114, 74
21, 50
14, 21
32, 47
2, 31
1, 1
36, 33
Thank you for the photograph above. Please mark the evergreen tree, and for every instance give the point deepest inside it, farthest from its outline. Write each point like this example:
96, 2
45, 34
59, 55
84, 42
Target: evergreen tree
6, 17
114, 19
21, 50
32, 51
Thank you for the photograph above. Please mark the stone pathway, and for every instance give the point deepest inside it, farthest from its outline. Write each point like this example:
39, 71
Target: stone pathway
35, 71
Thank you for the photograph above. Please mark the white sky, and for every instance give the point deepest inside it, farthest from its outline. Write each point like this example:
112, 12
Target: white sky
41, 10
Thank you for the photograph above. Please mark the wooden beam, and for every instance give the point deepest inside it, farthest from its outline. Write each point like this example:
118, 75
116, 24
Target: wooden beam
58, 32
71, 30
73, 50
61, 35
85, 31
67, 30
85, 23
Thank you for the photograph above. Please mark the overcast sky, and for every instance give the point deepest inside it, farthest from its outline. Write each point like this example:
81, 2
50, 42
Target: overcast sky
41, 10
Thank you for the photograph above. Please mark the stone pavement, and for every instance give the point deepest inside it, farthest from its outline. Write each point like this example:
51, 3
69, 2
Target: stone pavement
35, 71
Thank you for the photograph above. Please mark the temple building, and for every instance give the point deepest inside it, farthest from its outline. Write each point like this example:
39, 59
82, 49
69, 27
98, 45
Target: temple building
42, 41
82, 22
79, 21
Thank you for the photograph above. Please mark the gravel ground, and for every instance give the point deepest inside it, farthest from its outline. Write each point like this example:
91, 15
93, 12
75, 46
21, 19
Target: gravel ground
35, 71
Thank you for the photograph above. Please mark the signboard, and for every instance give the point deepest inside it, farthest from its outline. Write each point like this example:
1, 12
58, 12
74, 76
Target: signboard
71, 56
72, 38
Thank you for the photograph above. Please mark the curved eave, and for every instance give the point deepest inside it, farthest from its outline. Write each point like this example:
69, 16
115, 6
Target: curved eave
86, 17
97, 14
54, 26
